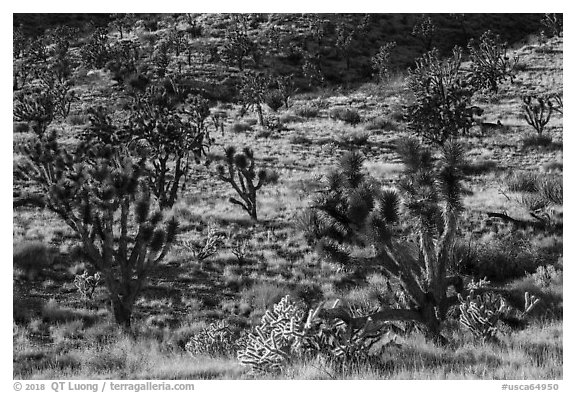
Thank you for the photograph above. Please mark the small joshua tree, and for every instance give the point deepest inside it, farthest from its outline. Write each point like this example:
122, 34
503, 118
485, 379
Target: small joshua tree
553, 23
442, 107
36, 106
239, 171
490, 63
238, 45
96, 52
537, 111
99, 191
425, 30
286, 88
354, 211
381, 61
253, 92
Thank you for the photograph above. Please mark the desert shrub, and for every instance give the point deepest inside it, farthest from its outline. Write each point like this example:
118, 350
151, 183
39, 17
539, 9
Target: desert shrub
553, 166
353, 138
306, 111
551, 189
263, 295
53, 312
524, 181
546, 275
77, 120
537, 141
67, 331
300, 139
380, 123
479, 167
347, 115
20, 127
274, 100
240, 127
33, 257
510, 254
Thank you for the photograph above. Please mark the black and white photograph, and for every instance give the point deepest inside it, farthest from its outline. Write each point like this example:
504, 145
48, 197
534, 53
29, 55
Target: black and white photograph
287, 196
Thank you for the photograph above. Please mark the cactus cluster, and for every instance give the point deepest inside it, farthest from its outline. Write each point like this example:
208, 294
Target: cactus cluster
481, 314
217, 338
274, 342
210, 246
87, 283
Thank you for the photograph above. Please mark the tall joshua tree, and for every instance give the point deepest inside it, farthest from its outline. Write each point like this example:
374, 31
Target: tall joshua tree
355, 211
99, 191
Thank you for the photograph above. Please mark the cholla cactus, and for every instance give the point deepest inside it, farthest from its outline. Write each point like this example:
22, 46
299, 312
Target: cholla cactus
243, 177
87, 284
481, 313
240, 249
530, 301
210, 247
274, 342
217, 338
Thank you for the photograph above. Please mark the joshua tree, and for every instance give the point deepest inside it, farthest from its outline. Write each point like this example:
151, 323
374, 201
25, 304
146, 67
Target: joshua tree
96, 52
425, 30
241, 174
238, 45
355, 211
553, 23
169, 138
253, 93
98, 190
537, 112
381, 61
490, 63
443, 95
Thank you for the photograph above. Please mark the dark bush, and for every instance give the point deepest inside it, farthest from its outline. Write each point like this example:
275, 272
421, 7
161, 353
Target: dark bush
307, 111
346, 115
21, 126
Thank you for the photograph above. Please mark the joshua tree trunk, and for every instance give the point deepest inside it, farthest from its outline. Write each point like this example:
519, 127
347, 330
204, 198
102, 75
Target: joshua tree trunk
260, 115
122, 312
